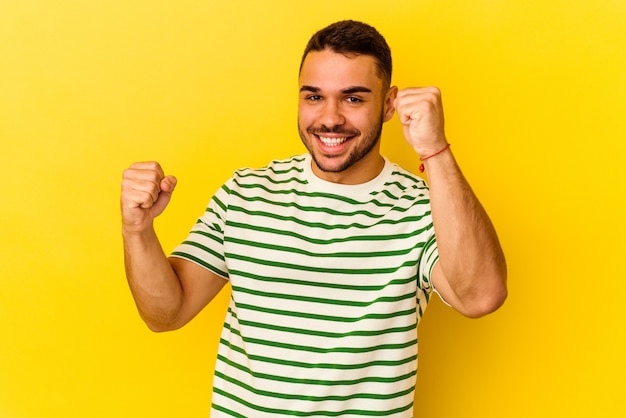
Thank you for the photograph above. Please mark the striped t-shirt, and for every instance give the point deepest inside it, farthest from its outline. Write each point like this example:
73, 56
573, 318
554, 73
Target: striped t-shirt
329, 282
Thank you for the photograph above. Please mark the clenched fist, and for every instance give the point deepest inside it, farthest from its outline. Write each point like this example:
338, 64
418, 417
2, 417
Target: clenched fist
146, 191
421, 113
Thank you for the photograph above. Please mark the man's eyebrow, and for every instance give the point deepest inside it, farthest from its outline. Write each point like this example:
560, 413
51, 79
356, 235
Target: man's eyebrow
356, 89
310, 88
349, 90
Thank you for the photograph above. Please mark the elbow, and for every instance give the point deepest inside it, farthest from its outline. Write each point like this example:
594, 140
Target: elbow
486, 304
485, 299
159, 328
159, 325
491, 295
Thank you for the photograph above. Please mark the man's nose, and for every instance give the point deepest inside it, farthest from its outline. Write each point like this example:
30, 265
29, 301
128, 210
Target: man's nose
331, 114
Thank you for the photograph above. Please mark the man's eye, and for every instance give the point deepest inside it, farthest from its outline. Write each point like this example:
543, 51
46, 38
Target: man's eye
353, 99
314, 98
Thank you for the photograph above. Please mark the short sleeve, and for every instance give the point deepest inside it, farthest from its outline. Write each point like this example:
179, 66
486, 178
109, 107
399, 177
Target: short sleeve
429, 258
205, 242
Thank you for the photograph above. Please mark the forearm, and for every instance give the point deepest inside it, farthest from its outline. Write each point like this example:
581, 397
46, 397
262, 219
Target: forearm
470, 254
471, 272
154, 284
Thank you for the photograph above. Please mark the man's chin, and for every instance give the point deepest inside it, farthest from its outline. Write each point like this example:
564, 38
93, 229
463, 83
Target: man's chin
323, 163
331, 164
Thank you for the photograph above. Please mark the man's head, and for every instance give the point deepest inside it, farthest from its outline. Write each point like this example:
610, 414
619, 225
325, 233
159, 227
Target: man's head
345, 97
350, 37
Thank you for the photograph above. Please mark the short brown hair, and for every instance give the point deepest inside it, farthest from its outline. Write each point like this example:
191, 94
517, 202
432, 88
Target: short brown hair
352, 37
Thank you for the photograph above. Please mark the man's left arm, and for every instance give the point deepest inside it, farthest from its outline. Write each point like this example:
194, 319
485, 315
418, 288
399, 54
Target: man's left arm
471, 272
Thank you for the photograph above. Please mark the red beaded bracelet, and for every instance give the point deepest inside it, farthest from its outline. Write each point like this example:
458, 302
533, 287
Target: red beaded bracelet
431, 156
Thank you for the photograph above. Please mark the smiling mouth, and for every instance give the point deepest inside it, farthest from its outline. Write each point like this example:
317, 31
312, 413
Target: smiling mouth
332, 142
334, 137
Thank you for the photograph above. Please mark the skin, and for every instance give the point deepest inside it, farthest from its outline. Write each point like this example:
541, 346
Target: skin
342, 106
471, 273
168, 292
343, 101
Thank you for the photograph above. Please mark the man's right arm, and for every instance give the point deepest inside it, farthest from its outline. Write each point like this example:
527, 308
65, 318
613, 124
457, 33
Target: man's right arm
168, 292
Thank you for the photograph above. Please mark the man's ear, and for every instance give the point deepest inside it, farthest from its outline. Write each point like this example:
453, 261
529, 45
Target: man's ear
389, 105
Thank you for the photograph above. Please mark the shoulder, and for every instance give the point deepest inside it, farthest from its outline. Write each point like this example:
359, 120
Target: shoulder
403, 180
274, 168
277, 172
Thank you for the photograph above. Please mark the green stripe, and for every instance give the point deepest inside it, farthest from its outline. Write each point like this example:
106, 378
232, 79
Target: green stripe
217, 200
397, 184
317, 196
204, 248
271, 165
329, 285
332, 366
320, 317
320, 225
227, 411
327, 334
255, 176
205, 234
214, 225
315, 412
298, 250
293, 380
323, 208
310, 349
415, 179
250, 388
313, 195
382, 299
331, 196
333, 270
291, 233
423, 199
200, 262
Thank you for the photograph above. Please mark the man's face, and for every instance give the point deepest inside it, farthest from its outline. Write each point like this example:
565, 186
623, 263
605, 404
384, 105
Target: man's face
342, 107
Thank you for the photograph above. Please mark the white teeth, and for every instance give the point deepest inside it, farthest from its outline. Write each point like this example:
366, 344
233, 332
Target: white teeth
331, 142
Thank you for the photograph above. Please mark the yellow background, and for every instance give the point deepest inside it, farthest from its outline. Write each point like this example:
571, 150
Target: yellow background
535, 96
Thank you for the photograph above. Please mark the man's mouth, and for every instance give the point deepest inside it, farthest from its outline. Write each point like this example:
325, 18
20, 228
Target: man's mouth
333, 137
332, 142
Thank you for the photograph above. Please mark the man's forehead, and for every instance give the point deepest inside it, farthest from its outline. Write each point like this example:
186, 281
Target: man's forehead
341, 71
328, 57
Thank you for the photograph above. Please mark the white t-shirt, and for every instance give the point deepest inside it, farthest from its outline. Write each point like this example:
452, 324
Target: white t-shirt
329, 282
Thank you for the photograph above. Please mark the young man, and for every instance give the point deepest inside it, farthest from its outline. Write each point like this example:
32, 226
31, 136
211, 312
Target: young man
331, 255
